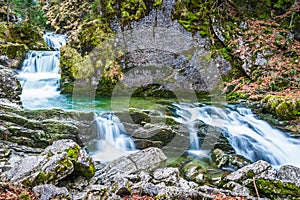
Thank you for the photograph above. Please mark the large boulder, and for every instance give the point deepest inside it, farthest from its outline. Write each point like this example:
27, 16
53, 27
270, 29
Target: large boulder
59, 160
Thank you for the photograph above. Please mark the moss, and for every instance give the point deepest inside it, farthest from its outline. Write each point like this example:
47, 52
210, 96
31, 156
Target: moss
275, 188
157, 3
13, 51
73, 152
160, 196
250, 174
236, 96
24, 196
282, 107
194, 15
83, 170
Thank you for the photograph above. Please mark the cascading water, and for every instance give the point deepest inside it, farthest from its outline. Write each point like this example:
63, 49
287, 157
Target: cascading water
55, 41
113, 141
40, 74
250, 137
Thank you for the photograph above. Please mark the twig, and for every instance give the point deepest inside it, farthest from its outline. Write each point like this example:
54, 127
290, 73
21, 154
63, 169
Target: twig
255, 188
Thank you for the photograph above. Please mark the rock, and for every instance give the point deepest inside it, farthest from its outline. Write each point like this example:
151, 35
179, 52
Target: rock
38, 128
249, 171
193, 171
55, 163
269, 183
220, 157
157, 133
223, 159
34, 170
10, 87
170, 176
145, 160
237, 188
290, 173
48, 191
138, 116
83, 163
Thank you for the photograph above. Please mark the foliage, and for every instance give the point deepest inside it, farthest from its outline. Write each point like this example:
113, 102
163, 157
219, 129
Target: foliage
27, 11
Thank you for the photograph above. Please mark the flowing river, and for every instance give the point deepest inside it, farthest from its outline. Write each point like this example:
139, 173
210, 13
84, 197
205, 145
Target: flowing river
249, 136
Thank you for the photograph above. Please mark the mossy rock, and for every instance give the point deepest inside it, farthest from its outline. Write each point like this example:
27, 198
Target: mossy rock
282, 107
139, 116
13, 51
275, 189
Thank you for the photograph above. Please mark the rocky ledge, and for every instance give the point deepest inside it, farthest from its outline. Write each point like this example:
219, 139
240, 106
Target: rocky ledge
65, 171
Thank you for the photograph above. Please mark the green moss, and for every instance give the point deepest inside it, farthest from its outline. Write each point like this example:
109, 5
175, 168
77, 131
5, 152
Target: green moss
236, 96
13, 51
83, 170
73, 152
160, 196
250, 174
24, 196
283, 108
275, 188
194, 15
157, 3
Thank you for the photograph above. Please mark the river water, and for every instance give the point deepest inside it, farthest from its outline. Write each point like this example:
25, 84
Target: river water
250, 136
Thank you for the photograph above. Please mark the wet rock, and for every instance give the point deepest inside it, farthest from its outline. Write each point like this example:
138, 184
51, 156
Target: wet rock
220, 157
48, 191
223, 159
193, 171
157, 133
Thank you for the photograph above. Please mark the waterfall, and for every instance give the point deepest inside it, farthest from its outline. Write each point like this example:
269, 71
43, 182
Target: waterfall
250, 137
55, 41
112, 141
40, 75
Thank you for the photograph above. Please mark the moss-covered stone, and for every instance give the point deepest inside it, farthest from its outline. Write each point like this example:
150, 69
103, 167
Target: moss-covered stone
283, 108
13, 51
72, 152
275, 189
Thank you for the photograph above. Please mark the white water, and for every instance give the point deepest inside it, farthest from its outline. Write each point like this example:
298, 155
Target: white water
40, 81
55, 41
113, 142
40, 75
251, 137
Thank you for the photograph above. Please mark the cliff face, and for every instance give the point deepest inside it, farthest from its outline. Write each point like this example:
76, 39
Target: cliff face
197, 42
168, 48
